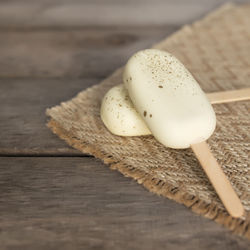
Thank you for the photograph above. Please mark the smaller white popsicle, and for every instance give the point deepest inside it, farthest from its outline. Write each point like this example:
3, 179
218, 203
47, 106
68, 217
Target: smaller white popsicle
119, 115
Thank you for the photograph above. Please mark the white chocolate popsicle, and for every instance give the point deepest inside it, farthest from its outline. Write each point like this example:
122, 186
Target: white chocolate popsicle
176, 111
119, 115
117, 106
169, 99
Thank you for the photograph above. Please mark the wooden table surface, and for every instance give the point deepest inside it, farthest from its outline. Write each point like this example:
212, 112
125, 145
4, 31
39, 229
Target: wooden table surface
51, 195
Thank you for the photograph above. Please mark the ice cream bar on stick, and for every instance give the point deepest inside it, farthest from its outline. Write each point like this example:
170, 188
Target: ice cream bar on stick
121, 118
177, 112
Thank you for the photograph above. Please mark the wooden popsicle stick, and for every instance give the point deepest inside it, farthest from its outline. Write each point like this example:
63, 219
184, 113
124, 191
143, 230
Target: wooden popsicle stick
218, 179
229, 96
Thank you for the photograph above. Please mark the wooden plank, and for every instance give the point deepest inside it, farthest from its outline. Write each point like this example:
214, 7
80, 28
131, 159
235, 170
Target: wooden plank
78, 203
72, 52
104, 13
22, 114
28, 57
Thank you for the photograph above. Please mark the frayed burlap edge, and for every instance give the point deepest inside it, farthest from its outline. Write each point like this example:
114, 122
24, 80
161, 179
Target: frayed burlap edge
238, 226
211, 211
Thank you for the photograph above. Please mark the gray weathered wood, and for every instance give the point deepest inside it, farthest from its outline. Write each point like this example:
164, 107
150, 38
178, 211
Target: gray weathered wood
104, 13
22, 114
78, 203
29, 56
50, 50
83, 52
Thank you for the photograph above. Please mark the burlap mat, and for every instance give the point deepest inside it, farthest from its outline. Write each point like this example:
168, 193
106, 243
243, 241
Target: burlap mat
217, 51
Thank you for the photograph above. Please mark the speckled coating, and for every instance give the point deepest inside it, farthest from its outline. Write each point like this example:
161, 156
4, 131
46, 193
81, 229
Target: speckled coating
168, 98
208, 49
119, 115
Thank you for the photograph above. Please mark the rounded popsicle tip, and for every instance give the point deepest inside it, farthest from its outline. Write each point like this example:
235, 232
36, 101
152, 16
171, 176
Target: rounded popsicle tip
160, 85
152, 62
119, 115
236, 209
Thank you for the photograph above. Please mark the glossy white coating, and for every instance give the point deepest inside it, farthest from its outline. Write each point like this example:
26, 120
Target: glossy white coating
169, 99
119, 116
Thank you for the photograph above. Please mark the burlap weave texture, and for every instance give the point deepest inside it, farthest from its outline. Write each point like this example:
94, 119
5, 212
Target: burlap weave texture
216, 50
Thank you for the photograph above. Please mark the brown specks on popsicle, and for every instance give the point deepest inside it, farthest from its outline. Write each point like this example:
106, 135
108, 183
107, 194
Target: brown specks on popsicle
145, 113
150, 115
160, 86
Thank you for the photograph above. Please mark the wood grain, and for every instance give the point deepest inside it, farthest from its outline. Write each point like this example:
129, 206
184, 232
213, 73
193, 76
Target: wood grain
71, 52
50, 50
22, 115
16, 13
78, 203
29, 82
